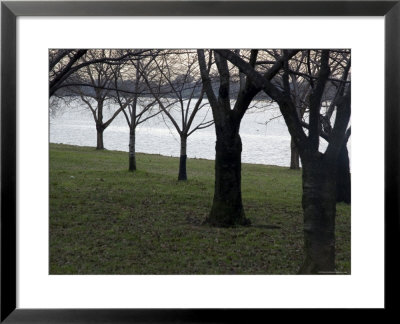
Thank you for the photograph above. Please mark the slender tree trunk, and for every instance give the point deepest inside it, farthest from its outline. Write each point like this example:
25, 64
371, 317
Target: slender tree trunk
100, 142
99, 125
227, 209
294, 156
132, 149
182, 161
319, 207
132, 129
343, 185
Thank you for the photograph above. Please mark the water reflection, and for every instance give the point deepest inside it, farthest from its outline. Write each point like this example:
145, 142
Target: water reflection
262, 143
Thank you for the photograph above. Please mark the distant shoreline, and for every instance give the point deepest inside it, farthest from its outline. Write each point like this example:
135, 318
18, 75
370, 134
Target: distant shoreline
157, 154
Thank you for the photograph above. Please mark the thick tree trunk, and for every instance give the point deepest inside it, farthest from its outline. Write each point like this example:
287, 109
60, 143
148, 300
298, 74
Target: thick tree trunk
100, 143
294, 156
227, 209
182, 161
132, 156
319, 207
343, 184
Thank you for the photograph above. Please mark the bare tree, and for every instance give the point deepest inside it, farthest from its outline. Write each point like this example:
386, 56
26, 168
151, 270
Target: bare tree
319, 169
227, 208
176, 86
303, 71
61, 62
343, 179
93, 87
64, 63
135, 103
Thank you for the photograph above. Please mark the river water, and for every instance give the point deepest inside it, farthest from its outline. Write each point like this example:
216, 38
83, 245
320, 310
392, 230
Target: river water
263, 143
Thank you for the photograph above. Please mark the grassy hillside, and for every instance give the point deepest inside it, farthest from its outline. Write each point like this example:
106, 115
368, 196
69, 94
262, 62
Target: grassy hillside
106, 220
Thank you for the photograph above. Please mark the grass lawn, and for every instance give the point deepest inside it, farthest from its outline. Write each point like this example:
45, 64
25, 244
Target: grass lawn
107, 220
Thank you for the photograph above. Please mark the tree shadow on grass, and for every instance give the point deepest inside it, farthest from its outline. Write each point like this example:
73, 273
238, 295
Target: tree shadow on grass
266, 226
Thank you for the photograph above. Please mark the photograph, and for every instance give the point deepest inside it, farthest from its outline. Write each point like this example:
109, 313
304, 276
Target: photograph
198, 161
190, 161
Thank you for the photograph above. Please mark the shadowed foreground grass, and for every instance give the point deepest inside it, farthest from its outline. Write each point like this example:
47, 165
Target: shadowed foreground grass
106, 220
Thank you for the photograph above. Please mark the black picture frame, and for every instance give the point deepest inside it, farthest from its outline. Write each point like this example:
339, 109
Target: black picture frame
10, 10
